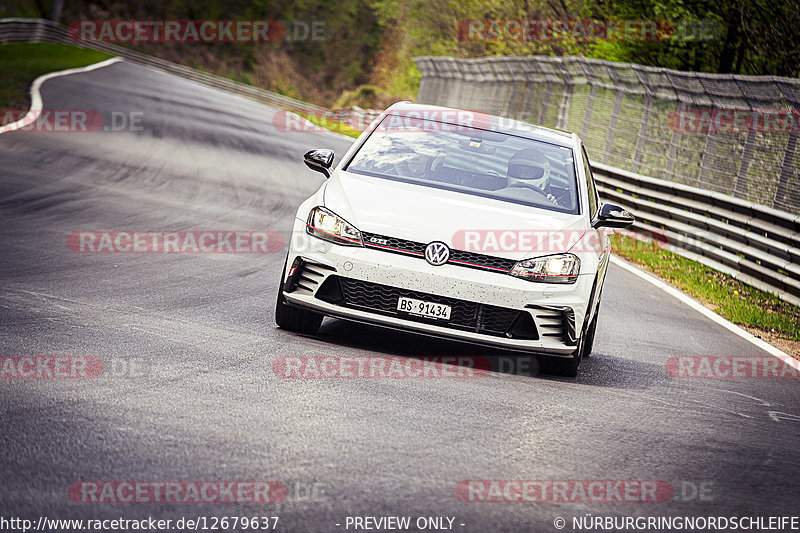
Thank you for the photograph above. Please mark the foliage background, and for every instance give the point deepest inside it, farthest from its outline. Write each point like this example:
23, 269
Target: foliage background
366, 58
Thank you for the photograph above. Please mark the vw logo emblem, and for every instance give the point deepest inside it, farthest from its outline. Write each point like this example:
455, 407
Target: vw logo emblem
437, 253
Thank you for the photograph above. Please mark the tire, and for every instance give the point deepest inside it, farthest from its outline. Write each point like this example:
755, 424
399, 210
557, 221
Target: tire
570, 367
587, 352
293, 318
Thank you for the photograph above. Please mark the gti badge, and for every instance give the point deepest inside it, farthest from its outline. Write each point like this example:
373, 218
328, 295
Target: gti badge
437, 253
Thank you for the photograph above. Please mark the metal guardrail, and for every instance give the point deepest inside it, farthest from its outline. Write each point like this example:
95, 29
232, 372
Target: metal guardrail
355, 117
756, 244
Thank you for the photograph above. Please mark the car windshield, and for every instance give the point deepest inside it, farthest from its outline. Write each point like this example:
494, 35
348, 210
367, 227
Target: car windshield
470, 160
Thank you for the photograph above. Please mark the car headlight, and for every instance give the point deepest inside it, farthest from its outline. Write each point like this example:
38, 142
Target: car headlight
562, 268
326, 225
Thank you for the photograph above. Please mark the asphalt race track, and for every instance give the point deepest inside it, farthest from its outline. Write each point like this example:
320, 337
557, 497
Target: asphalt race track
205, 403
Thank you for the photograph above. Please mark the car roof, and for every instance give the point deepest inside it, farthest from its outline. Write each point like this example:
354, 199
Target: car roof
493, 122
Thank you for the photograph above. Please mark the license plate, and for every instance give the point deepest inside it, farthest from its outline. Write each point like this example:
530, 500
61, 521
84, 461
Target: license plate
422, 308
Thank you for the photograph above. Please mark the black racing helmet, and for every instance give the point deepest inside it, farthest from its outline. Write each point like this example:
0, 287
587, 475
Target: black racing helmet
529, 167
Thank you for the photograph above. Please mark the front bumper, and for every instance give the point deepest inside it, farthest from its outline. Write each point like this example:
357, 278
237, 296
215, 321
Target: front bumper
489, 308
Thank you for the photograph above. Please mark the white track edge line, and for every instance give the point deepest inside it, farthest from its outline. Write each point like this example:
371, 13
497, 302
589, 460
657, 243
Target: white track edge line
36, 97
708, 313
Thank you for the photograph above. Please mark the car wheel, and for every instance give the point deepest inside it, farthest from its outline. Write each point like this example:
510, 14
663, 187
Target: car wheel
293, 318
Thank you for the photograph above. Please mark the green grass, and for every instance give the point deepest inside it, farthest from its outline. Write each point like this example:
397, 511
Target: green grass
21, 63
338, 127
734, 300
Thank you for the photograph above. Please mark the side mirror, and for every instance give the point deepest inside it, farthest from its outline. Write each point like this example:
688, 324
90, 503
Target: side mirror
613, 216
319, 160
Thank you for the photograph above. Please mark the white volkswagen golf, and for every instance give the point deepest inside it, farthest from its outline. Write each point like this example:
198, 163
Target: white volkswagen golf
459, 225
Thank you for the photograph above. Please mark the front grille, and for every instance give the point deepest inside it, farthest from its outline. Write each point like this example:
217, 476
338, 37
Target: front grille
464, 315
484, 262
392, 244
457, 257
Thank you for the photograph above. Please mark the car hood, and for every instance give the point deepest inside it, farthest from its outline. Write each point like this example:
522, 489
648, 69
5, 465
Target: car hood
462, 221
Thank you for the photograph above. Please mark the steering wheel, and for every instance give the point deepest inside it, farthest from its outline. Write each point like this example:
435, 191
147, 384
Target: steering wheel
533, 188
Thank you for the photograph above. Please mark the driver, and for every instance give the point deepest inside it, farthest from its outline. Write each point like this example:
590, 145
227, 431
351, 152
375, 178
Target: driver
530, 169
417, 164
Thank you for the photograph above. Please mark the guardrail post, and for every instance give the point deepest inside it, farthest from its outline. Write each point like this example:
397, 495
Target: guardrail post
701, 173
548, 93
38, 31
640, 137
612, 127
563, 109
587, 117
786, 169
525, 113
674, 141
740, 189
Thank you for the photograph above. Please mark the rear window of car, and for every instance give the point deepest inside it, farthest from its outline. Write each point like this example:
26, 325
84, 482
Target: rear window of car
470, 160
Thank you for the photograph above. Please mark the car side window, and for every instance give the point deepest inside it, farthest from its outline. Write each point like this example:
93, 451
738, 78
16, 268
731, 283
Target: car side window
593, 198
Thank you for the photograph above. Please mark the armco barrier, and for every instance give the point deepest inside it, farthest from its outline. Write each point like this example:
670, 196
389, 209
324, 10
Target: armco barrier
756, 244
